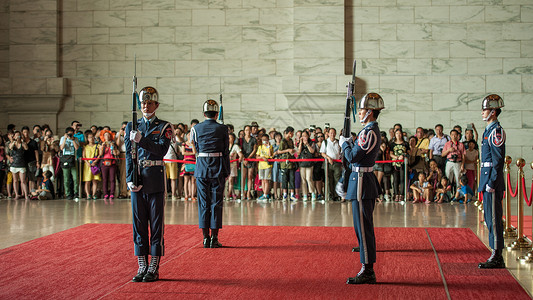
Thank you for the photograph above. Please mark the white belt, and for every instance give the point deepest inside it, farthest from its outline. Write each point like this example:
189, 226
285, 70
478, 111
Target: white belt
151, 163
362, 169
486, 164
215, 154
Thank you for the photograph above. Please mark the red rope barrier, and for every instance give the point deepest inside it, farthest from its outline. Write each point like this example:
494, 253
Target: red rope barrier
513, 194
528, 199
480, 196
254, 159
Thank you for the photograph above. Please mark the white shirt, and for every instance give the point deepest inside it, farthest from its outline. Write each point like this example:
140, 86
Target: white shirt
332, 149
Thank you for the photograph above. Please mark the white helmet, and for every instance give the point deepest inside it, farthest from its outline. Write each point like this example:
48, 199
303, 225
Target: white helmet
492, 101
210, 105
149, 94
371, 101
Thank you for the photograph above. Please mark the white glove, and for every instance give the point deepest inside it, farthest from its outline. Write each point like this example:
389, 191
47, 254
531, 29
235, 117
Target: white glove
343, 140
135, 136
134, 188
489, 189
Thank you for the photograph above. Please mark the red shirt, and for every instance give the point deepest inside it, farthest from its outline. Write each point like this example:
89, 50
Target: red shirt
458, 149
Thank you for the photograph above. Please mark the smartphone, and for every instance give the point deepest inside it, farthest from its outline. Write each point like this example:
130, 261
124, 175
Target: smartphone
312, 127
469, 126
326, 125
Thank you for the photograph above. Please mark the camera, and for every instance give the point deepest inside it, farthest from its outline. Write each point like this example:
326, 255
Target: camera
326, 125
312, 127
70, 135
454, 157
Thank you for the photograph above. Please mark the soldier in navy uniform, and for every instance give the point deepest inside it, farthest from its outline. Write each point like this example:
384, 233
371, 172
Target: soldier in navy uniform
211, 140
363, 186
491, 180
153, 138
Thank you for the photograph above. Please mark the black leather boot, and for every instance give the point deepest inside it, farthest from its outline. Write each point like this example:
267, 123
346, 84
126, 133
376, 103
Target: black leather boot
355, 249
495, 261
153, 270
214, 242
365, 276
143, 268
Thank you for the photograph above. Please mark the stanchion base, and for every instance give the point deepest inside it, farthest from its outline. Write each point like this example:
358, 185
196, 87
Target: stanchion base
480, 208
510, 233
520, 243
477, 203
528, 258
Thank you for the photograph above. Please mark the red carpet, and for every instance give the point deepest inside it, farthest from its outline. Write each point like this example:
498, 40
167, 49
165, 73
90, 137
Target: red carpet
96, 260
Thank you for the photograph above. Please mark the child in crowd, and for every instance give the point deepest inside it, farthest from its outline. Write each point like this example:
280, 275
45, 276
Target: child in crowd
189, 154
444, 191
235, 152
90, 152
46, 192
464, 193
265, 152
435, 173
422, 189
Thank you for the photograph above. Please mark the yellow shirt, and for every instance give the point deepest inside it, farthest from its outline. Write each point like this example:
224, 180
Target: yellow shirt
264, 151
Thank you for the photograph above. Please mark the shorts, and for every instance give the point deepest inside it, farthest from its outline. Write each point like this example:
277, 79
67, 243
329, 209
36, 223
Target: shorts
234, 170
32, 170
318, 172
379, 168
265, 174
9, 179
251, 165
172, 170
15, 170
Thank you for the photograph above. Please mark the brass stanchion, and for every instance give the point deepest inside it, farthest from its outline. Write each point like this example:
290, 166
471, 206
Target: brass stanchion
520, 242
478, 202
529, 255
509, 231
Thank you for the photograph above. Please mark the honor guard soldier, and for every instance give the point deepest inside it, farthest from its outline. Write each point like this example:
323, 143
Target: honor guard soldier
363, 186
491, 180
153, 138
211, 141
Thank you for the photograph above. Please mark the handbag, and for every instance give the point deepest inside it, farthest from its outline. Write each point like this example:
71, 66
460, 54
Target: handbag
96, 168
66, 161
190, 167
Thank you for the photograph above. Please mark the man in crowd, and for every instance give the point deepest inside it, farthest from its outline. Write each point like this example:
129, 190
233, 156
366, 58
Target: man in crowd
491, 181
153, 138
68, 145
454, 151
331, 151
120, 141
436, 144
211, 141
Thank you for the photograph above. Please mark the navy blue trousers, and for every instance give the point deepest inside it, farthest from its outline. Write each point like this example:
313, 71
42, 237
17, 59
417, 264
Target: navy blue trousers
492, 205
363, 221
148, 211
210, 193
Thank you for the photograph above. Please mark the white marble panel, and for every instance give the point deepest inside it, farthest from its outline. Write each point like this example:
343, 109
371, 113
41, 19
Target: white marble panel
432, 49
284, 33
254, 102
125, 4
113, 18
324, 66
32, 5
451, 66
4, 20
125, 35
527, 83
378, 3
503, 49
432, 14
5, 85
259, 67
31, 19
184, 4
414, 102
527, 121
394, 49
504, 83
255, 3
243, 16
93, 35
310, 84
397, 84
417, 66
246, 84
467, 49
32, 53
265, 33
271, 84
362, 15
431, 84
189, 34
202, 17
326, 14
316, 2
120, 103
102, 86
449, 2
291, 84
516, 137
484, 31
467, 84
154, 35
92, 69
318, 49
29, 86
283, 50
135, 18
451, 102
175, 17
516, 101
467, 14
276, 16
33, 69
121, 68
109, 52
65, 118
80, 86
384, 66
484, 66
157, 68
526, 48
55, 86
175, 51
511, 119
428, 119
396, 15
508, 13
93, 5
143, 52
112, 119
244, 50
517, 31
388, 118
375, 32
225, 34
174, 85
323, 32
518, 66
33, 35
225, 3
412, 2
191, 68
68, 36
448, 32
526, 14
414, 32
225, 67
284, 67
159, 4
90, 103
208, 51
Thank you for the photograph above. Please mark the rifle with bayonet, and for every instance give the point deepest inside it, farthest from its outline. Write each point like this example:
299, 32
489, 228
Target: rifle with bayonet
135, 97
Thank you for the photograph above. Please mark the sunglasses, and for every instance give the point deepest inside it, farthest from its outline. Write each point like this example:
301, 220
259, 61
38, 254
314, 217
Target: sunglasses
319, 136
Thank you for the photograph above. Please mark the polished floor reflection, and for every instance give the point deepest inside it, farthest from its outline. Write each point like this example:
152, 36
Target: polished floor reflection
22, 221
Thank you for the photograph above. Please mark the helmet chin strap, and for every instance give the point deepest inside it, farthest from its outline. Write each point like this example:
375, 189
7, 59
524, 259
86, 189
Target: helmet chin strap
492, 112
363, 120
148, 115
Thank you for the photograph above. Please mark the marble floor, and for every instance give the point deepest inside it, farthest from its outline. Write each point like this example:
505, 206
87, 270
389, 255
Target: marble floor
22, 221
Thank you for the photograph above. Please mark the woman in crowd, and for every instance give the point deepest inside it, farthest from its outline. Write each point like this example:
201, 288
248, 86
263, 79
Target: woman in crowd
234, 153
417, 162
90, 155
189, 182
398, 150
435, 174
265, 152
3, 164
276, 176
318, 169
171, 167
471, 157
380, 169
249, 148
108, 151
306, 150
18, 165
49, 147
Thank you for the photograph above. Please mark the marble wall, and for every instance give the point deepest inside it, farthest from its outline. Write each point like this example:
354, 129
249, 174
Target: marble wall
278, 62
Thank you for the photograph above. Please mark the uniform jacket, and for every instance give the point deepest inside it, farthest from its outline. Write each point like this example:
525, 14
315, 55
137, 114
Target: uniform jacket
152, 146
211, 137
363, 153
492, 151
